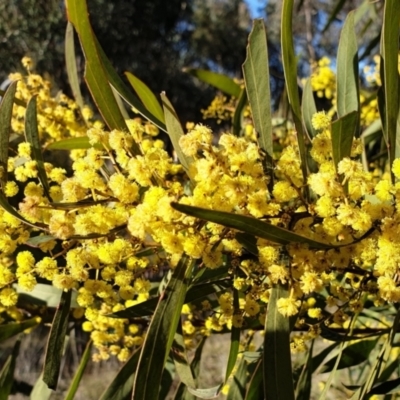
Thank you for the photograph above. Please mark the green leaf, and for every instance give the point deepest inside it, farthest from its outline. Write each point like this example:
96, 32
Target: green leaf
78, 204
70, 63
256, 77
347, 87
13, 328
119, 86
175, 131
6, 206
219, 81
180, 358
343, 130
148, 98
195, 293
6, 107
95, 74
277, 364
55, 344
99, 74
32, 137
255, 388
79, 372
320, 357
308, 108
249, 242
167, 379
290, 70
121, 386
36, 241
40, 391
387, 387
182, 392
338, 7
303, 387
238, 114
74, 143
121, 104
235, 340
390, 81
352, 355
7, 372
161, 332
47, 294
249, 225
237, 387
209, 393
377, 369
16, 100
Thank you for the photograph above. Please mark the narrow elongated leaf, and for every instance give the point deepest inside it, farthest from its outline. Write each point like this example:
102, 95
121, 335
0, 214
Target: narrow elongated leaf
182, 392
7, 372
343, 130
237, 387
6, 107
99, 73
389, 67
40, 390
79, 372
378, 367
238, 114
392, 386
74, 143
195, 293
167, 379
256, 77
179, 355
320, 357
36, 241
308, 108
55, 344
13, 328
95, 74
175, 131
352, 355
249, 242
48, 294
303, 386
348, 97
219, 81
290, 70
121, 104
235, 340
161, 332
255, 388
78, 204
277, 365
209, 393
339, 5
119, 86
121, 386
148, 98
17, 101
70, 63
6, 206
32, 137
249, 225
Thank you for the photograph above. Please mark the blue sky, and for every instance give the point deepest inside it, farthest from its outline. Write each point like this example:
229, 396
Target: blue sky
254, 5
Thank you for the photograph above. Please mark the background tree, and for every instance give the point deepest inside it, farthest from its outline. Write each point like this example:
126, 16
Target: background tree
153, 39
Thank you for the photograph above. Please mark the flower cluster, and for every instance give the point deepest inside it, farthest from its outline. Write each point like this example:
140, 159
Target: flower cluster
106, 225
